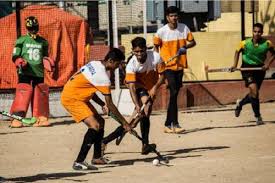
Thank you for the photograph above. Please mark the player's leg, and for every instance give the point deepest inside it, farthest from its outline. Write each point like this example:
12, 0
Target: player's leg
172, 109
248, 79
176, 126
98, 154
145, 121
255, 102
21, 102
81, 112
40, 105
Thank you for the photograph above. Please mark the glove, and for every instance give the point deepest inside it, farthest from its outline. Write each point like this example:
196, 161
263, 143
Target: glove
48, 64
20, 62
182, 51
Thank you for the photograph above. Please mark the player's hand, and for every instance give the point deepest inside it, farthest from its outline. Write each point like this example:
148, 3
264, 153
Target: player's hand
232, 69
153, 93
182, 51
105, 109
127, 127
138, 109
265, 67
48, 64
20, 62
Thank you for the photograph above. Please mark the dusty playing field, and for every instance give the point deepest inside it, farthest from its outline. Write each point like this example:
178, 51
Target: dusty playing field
216, 147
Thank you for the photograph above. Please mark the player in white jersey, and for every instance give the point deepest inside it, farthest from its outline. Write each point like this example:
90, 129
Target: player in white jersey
143, 80
75, 97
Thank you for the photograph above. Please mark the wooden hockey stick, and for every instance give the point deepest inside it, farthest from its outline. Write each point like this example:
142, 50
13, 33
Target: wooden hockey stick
134, 121
27, 121
228, 69
133, 132
171, 58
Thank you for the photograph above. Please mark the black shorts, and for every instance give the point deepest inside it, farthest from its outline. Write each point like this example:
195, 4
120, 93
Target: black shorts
141, 92
30, 80
253, 76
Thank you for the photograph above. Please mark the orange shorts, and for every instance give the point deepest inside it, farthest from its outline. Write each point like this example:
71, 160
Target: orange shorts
79, 110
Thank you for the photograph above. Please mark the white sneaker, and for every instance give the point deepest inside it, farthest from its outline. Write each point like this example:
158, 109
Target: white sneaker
259, 120
83, 166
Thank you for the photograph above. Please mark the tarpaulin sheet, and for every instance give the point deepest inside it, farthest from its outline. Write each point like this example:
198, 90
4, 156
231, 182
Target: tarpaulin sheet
66, 34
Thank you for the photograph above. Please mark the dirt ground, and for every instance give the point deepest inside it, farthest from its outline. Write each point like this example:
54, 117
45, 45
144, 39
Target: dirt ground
216, 148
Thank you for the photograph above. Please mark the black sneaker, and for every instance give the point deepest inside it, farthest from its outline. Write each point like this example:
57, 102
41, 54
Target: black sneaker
259, 120
146, 149
83, 166
238, 108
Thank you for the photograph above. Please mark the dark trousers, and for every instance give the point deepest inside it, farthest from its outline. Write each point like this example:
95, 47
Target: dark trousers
174, 79
32, 80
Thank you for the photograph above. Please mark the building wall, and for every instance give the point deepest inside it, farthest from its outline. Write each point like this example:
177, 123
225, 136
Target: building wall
128, 14
215, 49
231, 21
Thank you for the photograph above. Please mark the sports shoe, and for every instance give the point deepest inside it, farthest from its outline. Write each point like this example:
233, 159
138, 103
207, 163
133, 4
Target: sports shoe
147, 149
83, 166
100, 161
178, 129
259, 120
238, 108
16, 124
168, 129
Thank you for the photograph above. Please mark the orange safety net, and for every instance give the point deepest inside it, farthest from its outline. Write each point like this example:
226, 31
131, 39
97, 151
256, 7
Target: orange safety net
67, 36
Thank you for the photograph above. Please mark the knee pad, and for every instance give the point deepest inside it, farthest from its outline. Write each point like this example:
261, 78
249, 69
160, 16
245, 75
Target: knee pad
40, 105
22, 99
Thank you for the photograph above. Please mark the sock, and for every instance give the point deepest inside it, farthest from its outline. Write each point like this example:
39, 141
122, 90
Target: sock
255, 103
245, 100
88, 140
97, 145
145, 128
112, 136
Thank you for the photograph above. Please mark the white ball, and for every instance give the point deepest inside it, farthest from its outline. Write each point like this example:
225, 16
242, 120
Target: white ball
156, 162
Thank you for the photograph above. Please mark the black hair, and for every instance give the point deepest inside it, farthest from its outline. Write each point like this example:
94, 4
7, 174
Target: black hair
171, 9
259, 25
115, 54
138, 42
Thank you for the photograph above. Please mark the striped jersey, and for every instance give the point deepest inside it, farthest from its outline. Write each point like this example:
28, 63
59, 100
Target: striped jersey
254, 54
91, 78
170, 41
145, 75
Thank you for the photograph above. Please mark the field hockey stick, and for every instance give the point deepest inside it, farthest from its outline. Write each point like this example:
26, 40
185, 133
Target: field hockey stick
134, 120
118, 133
134, 132
172, 58
228, 69
27, 121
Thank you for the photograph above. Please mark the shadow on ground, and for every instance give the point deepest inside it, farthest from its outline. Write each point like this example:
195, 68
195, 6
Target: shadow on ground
52, 176
214, 127
172, 154
7, 133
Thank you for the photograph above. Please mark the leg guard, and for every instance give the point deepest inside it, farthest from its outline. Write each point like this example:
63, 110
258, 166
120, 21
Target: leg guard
40, 104
21, 102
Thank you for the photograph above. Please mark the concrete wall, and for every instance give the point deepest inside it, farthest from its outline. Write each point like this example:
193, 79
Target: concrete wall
215, 49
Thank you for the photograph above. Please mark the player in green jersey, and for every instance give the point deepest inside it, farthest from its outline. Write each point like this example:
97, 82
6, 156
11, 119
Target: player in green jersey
30, 56
254, 54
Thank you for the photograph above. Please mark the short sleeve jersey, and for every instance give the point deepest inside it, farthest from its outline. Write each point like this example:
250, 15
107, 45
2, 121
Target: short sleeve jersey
255, 54
169, 42
91, 78
32, 51
144, 75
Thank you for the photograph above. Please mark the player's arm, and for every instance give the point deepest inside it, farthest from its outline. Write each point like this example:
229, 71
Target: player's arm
237, 55
114, 110
154, 89
271, 59
132, 88
17, 49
